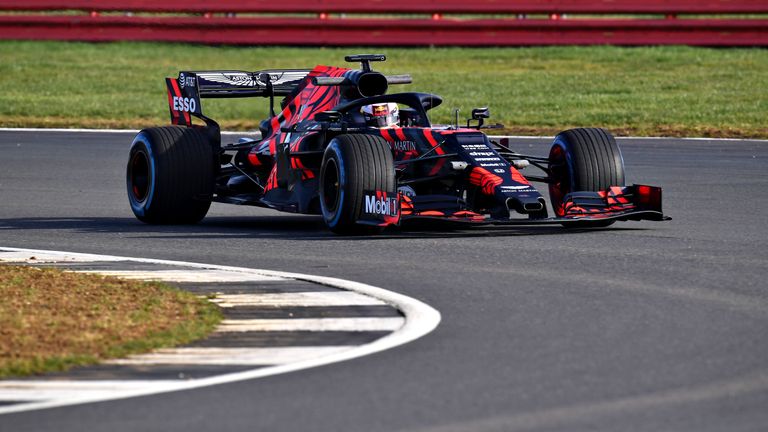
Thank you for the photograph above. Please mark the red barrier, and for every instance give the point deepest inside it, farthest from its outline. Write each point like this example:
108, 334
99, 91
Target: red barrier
314, 32
403, 6
439, 30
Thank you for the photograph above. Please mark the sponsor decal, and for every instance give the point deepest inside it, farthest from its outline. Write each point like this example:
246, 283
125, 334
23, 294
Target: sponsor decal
186, 81
403, 146
476, 153
184, 104
273, 78
475, 146
380, 110
515, 189
498, 164
499, 171
380, 204
241, 80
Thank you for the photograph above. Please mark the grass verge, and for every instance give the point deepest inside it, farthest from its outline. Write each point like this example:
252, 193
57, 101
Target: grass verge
667, 91
51, 320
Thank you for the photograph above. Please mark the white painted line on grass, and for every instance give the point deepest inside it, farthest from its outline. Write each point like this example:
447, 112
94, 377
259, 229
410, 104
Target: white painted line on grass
313, 324
420, 319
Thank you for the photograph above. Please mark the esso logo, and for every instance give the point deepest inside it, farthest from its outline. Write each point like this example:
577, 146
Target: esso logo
184, 104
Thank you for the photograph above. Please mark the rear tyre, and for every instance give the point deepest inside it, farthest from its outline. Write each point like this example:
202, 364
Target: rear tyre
170, 175
351, 165
586, 159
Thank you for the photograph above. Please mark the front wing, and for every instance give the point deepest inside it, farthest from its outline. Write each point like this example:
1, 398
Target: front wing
636, 202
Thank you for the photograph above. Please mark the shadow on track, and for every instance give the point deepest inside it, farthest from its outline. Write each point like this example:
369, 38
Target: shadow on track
278, 227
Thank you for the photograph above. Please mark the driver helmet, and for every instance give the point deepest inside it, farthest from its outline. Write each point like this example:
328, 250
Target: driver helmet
382, 115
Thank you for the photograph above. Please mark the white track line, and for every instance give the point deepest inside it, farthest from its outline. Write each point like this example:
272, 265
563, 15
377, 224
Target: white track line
45, 257
312, 324
621, 138
251, 133
208, 275
230, 356
420, 319
112, 131
75, 130
41, 391
343, 298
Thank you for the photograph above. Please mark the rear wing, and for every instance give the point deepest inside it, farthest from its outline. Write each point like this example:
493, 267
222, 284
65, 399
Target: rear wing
224, 84
185, 92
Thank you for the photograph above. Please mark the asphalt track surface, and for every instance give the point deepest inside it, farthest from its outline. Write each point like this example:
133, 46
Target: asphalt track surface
641, 327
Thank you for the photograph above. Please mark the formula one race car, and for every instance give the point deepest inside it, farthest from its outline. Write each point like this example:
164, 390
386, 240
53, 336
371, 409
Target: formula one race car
364, 159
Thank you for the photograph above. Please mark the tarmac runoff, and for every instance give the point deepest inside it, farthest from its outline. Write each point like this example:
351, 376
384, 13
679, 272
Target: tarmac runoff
275, 322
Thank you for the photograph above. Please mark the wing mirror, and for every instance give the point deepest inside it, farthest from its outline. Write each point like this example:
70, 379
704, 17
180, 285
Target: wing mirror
479, 114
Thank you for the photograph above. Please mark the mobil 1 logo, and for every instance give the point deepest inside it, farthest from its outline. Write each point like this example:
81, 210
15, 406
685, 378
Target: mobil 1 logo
380, 205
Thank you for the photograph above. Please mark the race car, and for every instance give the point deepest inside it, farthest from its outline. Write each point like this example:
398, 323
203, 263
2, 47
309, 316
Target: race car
343, 147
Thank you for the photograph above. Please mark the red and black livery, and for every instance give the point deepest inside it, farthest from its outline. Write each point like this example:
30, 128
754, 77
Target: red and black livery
317, 155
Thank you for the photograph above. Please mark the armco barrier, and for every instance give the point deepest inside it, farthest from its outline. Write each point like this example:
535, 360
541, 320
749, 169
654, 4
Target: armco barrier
403, 6
234, 22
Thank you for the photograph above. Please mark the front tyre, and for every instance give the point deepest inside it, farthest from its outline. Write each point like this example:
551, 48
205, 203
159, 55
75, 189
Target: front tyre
170, 175
586, 159
353, 164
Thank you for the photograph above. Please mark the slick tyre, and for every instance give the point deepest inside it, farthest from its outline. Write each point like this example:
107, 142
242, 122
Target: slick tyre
170, 175
585, 159
351, 165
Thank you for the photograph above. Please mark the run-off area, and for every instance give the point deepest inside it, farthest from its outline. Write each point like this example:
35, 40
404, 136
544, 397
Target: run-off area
272, 324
